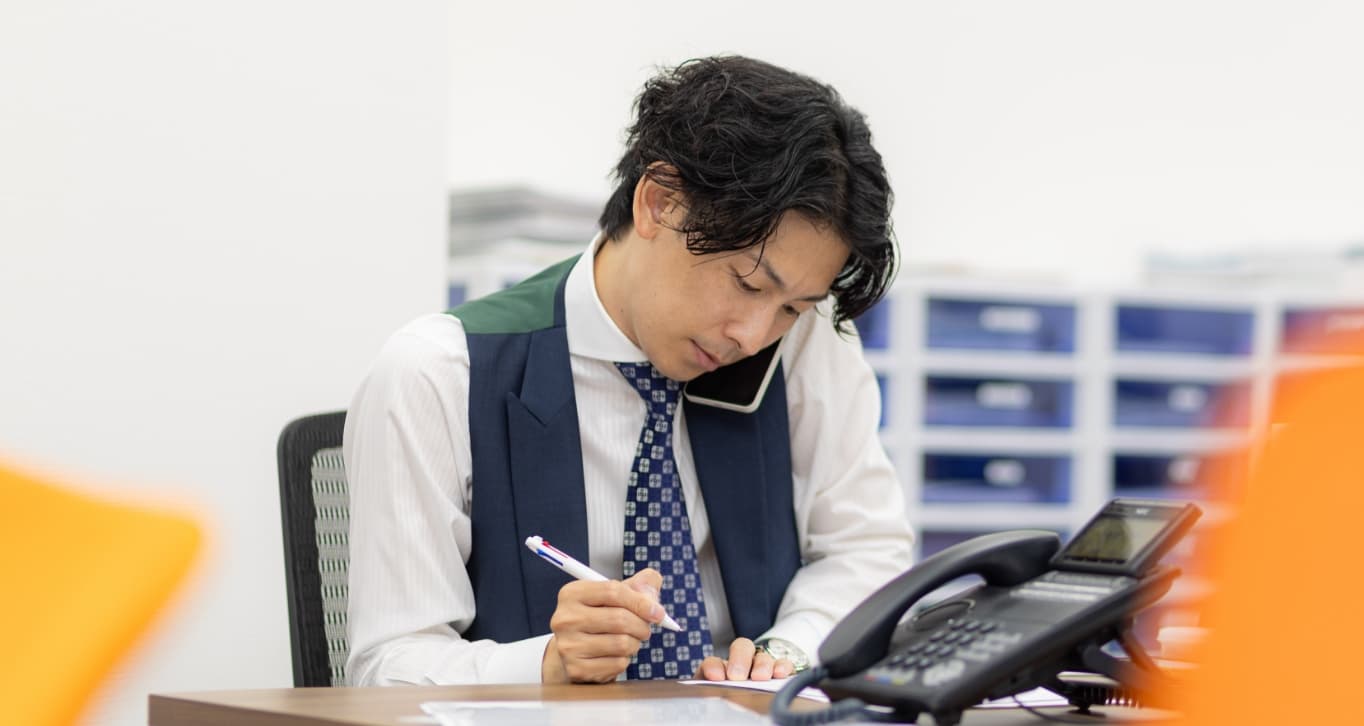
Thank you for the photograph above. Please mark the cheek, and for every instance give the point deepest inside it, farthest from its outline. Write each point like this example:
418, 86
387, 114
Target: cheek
783, 324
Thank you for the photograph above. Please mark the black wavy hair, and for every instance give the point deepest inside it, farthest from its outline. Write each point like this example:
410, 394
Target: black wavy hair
744, 142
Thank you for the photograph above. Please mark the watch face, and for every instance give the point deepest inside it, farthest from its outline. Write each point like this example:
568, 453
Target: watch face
779, 649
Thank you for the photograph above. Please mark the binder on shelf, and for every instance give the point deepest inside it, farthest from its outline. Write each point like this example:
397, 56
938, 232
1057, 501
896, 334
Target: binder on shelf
1184, 330
1172, 476
1317, 329
874, 326
1003, 479
1184, 404
1013, 402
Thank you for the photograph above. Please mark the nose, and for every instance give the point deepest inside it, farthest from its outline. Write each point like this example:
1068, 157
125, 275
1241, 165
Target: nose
750, 331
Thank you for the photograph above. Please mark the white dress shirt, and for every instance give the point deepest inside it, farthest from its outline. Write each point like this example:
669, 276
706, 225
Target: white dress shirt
407, 457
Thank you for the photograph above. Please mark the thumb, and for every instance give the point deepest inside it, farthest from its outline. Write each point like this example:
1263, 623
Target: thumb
647, 581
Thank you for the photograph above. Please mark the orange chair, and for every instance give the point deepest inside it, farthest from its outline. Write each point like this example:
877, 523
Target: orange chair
1284, 637
80, 579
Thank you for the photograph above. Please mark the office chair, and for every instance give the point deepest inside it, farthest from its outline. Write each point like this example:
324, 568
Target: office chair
314, 507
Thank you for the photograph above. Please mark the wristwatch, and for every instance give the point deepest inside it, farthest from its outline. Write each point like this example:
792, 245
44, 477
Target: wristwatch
780, 648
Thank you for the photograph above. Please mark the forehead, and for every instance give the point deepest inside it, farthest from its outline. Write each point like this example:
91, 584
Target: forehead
801, 252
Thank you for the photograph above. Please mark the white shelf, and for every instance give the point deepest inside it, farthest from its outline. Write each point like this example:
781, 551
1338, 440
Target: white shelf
970, 439
990, 517
1003, 363
1149, 366
1177, 441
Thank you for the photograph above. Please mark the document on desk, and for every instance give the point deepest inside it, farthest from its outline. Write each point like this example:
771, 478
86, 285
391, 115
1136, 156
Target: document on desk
771, 686
1036, 698
667, 711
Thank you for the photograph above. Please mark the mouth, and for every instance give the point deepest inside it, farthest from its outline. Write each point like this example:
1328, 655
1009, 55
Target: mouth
707, 361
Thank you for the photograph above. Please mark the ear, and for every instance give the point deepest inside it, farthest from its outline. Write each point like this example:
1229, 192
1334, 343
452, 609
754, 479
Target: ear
655, 206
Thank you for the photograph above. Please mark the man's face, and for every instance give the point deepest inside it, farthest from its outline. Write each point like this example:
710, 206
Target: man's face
691, 314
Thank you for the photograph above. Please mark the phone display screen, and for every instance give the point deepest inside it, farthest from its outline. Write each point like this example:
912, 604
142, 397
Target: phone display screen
1114, 540
1127, 537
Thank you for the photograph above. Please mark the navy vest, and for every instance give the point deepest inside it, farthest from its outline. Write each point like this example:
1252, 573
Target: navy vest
528, 472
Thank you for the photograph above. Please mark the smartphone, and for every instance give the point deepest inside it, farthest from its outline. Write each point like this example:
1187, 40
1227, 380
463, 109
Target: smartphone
738, 386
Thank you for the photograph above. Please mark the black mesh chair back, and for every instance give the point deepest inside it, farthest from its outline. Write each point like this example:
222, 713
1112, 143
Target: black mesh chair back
315, 508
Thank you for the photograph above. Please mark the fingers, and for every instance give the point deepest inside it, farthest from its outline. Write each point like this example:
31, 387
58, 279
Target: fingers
712, 669
601, 608
740, 659
646, 580
744, 664
762, 667
639, 595
598, 628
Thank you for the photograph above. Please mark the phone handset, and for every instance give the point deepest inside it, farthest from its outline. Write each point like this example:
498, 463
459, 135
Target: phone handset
1002, 558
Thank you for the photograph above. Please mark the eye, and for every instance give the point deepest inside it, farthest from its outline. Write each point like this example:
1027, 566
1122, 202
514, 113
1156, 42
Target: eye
791, 311
742, 283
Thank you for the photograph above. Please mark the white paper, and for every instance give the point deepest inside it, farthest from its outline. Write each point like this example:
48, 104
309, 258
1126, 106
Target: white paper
1036, 698
666, 711
771, 686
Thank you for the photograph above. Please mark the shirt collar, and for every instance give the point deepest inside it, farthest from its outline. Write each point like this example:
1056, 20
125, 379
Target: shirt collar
591, 332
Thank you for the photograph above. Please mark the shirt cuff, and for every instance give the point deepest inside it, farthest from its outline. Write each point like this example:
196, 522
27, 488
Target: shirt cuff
805, 630
516, 662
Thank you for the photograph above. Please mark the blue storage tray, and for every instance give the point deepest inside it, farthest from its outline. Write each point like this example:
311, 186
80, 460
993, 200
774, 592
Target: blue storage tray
1155, 329
455, 296
1015, 402
1185, 404
883, 384
1000, 325
959, 478
1328, 329
873, 326
1179, 476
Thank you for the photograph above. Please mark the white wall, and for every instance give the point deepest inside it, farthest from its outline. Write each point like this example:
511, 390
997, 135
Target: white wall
211, 215
1024, 136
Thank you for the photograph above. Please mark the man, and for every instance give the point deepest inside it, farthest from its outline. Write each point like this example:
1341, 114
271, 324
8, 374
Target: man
748, 195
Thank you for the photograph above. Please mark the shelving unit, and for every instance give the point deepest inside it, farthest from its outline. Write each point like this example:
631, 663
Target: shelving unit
1031, 406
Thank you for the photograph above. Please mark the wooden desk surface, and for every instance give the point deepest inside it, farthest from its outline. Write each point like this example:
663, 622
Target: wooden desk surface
399, 706
396, 706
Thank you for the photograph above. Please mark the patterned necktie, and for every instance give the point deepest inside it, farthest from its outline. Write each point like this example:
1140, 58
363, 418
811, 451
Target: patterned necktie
658, 535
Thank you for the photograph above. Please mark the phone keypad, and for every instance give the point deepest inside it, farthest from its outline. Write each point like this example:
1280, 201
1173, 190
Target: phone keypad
944, 653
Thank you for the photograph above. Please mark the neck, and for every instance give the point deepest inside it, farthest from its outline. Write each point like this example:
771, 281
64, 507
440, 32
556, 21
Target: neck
609, 274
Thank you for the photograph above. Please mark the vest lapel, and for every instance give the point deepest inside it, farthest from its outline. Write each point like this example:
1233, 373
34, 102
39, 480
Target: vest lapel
546, 465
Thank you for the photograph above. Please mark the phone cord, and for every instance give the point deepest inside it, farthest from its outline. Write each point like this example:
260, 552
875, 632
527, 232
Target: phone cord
782, 714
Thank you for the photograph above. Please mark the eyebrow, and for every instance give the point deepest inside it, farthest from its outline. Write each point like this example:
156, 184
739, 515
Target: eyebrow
761, 261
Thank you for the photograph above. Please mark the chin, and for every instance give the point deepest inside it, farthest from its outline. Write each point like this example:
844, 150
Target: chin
679, 370
686, 373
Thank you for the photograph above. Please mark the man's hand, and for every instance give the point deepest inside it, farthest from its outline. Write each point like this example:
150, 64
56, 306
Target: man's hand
743, 665
598, 627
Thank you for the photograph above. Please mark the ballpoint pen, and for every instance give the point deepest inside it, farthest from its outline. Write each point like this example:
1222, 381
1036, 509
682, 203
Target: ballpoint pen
554, 556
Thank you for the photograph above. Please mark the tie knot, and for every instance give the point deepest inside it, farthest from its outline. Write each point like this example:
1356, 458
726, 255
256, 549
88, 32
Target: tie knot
659, 392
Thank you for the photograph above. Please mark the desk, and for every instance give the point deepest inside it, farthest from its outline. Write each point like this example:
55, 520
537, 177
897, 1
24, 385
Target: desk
396, 706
